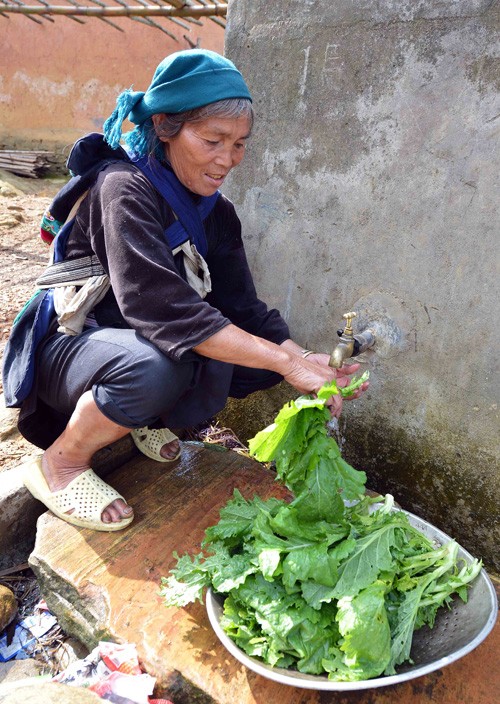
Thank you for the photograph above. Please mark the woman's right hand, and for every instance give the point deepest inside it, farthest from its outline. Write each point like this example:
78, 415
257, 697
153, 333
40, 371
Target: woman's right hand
306, 375
313, 371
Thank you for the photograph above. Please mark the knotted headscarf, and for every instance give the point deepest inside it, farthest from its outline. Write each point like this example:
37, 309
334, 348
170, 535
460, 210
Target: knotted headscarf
183, 81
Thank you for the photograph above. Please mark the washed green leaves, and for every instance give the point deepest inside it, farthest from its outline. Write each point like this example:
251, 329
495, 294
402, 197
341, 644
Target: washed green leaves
334, 582
308, 460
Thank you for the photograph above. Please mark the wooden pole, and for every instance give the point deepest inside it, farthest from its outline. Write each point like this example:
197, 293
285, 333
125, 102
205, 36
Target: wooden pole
131, 11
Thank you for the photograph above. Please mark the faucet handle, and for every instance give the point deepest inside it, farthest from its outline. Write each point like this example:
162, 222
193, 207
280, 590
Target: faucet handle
348, 327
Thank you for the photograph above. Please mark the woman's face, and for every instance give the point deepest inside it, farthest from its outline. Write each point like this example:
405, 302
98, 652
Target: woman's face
203, 153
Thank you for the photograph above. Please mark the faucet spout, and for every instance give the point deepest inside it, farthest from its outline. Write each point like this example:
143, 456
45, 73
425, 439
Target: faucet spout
349, 344
343, 350
345, 347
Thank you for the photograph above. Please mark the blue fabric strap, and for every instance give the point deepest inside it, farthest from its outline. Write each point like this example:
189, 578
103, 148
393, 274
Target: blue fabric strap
61, 239
189, 224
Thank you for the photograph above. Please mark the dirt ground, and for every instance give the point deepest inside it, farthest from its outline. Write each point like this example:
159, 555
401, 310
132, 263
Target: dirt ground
23, 256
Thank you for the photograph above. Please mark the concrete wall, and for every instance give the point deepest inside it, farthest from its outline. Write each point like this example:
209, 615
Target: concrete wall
371, 184
59, 80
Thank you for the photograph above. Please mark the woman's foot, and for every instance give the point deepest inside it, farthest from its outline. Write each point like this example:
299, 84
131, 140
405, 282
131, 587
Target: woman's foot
159, 444
171, 450
59, 473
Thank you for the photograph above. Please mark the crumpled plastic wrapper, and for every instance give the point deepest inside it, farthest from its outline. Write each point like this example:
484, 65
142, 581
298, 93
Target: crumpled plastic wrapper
113, 672
21, 643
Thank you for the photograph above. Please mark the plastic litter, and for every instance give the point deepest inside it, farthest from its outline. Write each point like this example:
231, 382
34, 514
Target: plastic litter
113, 672
25, 635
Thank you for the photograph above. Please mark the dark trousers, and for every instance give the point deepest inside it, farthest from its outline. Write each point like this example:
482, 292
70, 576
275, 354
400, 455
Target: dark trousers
134, 384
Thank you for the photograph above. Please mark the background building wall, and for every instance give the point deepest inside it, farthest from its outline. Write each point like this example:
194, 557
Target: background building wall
371, 184
59, 80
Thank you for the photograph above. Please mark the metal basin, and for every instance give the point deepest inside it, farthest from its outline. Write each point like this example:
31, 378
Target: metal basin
456, 632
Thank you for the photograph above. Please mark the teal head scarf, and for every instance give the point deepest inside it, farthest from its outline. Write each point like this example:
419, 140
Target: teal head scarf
183, 81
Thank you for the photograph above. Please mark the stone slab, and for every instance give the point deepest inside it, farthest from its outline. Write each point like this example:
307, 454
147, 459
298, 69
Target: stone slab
16, 670
106, 586
19, 511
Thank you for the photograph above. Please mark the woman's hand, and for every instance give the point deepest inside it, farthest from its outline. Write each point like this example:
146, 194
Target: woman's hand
326, 373
306, 374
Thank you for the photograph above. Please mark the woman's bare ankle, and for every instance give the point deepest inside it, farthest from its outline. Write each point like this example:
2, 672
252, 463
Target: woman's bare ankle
58, 470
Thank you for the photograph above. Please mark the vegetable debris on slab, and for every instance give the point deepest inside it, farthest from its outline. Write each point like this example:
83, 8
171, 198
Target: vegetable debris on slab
333, 583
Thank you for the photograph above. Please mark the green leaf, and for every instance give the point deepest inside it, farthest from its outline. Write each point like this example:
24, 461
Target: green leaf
269, 560
236, 518
228, 571
289, 523
351, 482
327, 390
371, 555
289, 430
299, 444
365, 629
310, 562
349, 390
315, 594
319, 498
186, 582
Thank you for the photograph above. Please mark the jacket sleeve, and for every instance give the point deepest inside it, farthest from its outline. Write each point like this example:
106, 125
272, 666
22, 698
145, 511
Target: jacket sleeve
126, 219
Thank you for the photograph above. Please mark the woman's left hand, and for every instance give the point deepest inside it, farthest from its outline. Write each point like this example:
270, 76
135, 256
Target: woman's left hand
334, 403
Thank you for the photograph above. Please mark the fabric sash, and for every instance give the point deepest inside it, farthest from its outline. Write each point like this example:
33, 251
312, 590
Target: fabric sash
190, 216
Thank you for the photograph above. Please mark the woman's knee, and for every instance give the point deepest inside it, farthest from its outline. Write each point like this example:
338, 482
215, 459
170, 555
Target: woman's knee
149, 387
130, 378
159, 377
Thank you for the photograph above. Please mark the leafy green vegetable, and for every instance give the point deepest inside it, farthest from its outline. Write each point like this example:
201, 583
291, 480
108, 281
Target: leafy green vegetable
331, 388
334, 582
364, 625
307, 459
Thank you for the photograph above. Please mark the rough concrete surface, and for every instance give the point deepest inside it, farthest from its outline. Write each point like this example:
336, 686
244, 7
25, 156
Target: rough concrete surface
371, 184
26, 692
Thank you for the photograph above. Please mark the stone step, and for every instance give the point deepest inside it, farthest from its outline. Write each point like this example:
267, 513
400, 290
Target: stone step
105, 586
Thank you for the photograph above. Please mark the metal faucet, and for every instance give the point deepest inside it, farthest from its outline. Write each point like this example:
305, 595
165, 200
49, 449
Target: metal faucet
350, 345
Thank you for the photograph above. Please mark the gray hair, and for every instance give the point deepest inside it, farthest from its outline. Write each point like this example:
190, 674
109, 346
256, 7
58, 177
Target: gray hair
172, 123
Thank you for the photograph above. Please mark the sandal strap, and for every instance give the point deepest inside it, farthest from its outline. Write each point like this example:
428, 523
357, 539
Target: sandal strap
87, 494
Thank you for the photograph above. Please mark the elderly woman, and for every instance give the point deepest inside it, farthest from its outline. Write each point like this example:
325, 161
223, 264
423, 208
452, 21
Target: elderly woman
171, 322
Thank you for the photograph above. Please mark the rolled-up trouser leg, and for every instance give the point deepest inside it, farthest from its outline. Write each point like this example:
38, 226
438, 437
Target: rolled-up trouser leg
132, 382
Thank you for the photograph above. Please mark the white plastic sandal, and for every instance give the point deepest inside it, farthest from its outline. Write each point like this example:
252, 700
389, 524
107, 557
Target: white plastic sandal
86, 495
151, 440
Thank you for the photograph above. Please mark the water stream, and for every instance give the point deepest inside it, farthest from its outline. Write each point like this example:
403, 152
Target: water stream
336, 431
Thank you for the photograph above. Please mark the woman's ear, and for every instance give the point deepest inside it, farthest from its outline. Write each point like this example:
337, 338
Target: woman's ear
157, 123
